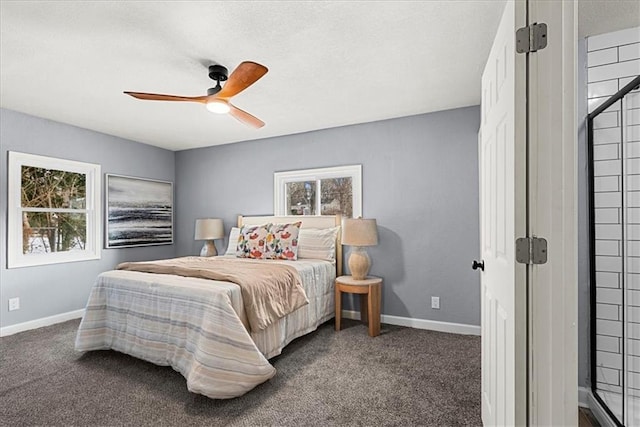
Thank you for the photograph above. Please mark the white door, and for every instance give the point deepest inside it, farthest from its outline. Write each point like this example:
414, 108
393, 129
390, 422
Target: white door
502, 152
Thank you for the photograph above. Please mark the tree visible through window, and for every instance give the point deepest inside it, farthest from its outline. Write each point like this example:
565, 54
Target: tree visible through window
326, 191
301, 198
53, 210
48, 200
336, 197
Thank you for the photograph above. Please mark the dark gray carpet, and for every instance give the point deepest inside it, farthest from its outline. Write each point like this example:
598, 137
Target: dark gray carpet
403, 377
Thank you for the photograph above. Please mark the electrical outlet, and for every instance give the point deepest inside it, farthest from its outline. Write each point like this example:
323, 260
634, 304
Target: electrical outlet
435, 303
14, 304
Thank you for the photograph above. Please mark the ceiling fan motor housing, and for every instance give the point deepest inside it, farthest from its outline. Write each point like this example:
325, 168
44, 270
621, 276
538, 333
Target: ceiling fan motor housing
219, 74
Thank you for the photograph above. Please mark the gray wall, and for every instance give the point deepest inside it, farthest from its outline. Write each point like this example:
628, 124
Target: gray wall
54, 289
420, 181
584, 341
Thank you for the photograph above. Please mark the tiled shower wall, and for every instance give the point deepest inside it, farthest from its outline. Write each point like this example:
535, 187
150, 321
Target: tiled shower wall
613, 61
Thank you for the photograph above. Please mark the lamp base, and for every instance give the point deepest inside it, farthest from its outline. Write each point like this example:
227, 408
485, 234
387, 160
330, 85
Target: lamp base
359, 263
209, 249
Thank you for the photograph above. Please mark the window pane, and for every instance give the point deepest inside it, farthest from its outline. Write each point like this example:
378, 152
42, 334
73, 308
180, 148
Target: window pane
337, 196
44, 232
51, 188
301, 198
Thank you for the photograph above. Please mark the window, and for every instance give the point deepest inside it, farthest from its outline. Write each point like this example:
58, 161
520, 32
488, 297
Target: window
325, 191
54, 212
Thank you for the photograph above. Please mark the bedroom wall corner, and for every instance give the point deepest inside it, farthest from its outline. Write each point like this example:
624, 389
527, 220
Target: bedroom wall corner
54, 291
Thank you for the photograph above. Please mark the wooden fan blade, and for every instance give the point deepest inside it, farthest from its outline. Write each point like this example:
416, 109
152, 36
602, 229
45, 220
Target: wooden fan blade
244, 117
242, 77
160, 97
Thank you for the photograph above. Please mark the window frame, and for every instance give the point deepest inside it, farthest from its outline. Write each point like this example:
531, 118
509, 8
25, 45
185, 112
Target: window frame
281, 179
15, 257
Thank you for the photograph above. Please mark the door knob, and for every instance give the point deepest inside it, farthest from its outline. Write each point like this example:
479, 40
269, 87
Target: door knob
478, 265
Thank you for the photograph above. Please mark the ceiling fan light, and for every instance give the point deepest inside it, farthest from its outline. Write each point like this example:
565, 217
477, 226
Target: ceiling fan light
218, 106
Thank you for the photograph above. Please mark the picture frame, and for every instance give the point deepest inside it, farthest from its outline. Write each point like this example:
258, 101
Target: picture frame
139, 212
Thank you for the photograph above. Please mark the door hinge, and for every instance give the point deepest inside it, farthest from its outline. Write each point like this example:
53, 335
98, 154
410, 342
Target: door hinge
531, 250
531, 38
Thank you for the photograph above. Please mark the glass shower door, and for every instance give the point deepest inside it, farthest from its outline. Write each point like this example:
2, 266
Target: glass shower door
608, 170
615, 253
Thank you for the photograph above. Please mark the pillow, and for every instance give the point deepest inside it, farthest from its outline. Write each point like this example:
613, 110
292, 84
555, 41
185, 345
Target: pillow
282, 241
251, 241
234, 234
318, 243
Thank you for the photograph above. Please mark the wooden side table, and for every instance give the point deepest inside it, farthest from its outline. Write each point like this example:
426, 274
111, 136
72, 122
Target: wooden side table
370, 290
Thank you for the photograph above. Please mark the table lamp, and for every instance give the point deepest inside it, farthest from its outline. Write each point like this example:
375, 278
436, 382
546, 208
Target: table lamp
359, 232
209, 229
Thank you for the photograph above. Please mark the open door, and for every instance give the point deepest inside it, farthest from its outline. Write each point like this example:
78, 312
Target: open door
503, 172
527, 150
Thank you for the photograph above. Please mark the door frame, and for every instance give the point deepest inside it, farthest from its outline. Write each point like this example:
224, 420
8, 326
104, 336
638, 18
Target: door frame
552, 187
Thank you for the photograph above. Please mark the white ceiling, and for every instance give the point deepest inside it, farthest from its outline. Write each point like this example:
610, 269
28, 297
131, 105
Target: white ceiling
331, 63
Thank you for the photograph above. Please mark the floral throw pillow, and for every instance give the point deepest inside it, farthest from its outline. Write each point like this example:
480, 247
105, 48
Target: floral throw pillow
251, 241
282, 241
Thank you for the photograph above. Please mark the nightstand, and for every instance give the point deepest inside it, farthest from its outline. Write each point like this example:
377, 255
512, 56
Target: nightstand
370, 290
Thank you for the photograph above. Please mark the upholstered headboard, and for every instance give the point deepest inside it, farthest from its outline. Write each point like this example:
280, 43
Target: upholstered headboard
325, 221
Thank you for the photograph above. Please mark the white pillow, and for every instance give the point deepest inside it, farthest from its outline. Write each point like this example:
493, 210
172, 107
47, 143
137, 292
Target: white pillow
318, 243
234, 234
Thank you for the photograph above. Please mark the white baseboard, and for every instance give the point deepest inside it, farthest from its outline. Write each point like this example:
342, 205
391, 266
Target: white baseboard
432, 325
39, 323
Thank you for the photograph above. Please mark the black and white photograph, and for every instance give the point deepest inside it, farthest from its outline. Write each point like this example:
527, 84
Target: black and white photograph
139, 212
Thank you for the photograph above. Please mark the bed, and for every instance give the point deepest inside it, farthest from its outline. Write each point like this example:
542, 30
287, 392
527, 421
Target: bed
201, 327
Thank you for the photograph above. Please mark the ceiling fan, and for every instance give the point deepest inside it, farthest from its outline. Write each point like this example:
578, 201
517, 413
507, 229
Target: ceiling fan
217, 98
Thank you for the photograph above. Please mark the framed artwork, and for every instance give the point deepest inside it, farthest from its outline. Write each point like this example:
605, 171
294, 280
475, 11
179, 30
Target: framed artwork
139, 212
322, 191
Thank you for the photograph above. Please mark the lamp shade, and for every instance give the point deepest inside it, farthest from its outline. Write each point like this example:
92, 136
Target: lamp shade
359, 232
209, 229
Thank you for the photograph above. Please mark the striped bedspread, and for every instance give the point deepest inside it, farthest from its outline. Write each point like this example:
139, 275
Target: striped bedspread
197, 326
270, 290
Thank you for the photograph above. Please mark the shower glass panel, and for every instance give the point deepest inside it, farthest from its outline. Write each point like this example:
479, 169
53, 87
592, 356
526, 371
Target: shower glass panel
614, 149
